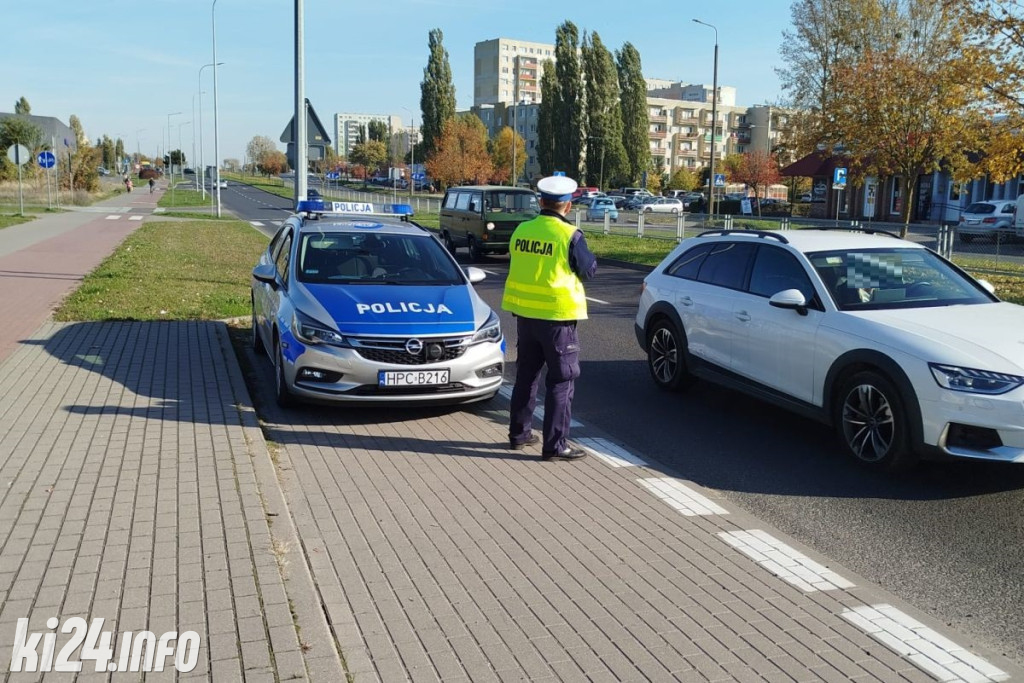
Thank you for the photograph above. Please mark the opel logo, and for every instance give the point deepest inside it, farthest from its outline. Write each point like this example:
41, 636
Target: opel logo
413, 347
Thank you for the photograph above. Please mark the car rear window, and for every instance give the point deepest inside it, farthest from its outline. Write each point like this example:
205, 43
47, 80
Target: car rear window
980, 208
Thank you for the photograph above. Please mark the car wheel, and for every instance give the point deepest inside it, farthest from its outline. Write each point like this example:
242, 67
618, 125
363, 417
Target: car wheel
449, 243
257, 341
871, 422
675, 212
966, 239
282, 394
475, 252
666, 356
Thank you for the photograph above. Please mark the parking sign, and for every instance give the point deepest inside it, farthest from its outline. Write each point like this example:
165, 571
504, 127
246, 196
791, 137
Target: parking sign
839, 179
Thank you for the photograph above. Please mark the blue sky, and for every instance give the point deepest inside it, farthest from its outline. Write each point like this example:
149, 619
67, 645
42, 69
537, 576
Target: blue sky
122, 67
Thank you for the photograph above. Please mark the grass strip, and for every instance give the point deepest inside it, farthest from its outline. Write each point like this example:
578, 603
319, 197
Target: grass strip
172, 270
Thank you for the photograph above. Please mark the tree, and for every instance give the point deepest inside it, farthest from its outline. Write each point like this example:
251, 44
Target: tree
569, 112
501, 155
633, 99
273, 162
908, 104
683, 179
437, 93
379, 131
605, 153
22, 107
758, 170
370, 154
461, 155
258, 148
546, 119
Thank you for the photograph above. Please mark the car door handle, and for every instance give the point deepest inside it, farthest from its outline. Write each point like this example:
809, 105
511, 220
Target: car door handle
743, 316
686, 301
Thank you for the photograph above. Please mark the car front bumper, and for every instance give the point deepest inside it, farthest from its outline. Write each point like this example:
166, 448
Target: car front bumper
978, 427
349, 377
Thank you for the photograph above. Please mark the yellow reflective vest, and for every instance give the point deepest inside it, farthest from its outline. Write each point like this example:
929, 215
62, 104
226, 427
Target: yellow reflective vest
540, 283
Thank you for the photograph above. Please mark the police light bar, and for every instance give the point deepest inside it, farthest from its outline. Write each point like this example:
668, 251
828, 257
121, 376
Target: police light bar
353, 208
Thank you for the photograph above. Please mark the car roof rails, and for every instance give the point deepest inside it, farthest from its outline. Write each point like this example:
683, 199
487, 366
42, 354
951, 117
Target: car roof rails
757, 233
855, 228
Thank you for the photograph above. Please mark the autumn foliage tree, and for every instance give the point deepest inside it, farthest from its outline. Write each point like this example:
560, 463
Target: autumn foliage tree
370, 154
461, 155
501, 155
758, 170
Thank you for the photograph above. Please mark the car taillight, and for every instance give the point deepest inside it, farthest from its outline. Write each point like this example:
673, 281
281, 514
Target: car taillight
989, 220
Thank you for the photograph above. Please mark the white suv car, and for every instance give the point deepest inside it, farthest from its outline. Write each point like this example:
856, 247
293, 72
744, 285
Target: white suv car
901, 351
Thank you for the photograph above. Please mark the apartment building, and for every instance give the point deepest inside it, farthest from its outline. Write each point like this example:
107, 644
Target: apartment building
346, 129
690, 92
507, 70
523, 119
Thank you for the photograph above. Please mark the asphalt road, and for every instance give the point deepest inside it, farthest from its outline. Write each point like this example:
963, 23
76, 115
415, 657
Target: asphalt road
947, 537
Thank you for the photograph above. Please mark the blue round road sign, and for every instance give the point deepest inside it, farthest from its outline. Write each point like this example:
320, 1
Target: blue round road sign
46, 159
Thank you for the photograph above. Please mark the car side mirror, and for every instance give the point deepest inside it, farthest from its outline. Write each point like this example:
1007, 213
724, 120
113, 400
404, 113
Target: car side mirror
266, 273
792, 299
989, 287
475, 274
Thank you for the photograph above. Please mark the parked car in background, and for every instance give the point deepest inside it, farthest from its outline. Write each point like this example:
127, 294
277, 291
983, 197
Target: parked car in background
993, 220
663, 205
313, 194
900, 351
601, 206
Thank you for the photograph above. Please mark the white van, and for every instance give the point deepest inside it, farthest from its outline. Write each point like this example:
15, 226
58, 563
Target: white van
1018, 218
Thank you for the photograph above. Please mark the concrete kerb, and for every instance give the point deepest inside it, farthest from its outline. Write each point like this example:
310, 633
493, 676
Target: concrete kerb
322, 655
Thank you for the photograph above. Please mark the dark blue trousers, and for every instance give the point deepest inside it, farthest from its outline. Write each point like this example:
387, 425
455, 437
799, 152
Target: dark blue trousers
554, 344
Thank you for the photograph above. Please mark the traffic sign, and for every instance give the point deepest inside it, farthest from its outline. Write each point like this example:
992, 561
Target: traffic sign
719, 180
333, 175
46, 159
839, 179
18, 154
419, 176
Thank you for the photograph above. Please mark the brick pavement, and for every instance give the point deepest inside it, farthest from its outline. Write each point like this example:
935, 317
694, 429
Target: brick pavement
136, 485
440, 554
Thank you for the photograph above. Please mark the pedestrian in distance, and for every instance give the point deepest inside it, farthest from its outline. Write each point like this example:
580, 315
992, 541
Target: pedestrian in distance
549, 261
128, 183
152, 185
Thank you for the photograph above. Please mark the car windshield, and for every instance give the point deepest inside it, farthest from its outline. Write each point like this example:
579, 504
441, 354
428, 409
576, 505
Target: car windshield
360, 258
878, 279
980, 208
509, 201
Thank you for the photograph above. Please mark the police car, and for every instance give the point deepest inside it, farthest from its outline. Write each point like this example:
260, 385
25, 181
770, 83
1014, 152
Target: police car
355, 303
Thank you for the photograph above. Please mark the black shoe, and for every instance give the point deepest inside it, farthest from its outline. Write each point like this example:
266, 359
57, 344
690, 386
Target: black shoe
570, 453
520, 445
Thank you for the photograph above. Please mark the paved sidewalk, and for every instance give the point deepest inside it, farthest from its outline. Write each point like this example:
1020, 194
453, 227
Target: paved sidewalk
439, 554
136, 485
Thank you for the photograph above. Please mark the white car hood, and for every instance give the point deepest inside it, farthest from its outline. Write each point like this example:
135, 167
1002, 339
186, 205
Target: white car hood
991, 336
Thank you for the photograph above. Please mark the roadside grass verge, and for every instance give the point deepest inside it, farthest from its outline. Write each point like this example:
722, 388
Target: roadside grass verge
7, 221
180, 197
196, 215
171, 270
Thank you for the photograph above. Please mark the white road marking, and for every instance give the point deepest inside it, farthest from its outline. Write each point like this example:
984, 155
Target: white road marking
159, 209
614, 455
135, 218
685, 500
930, 651
597, 301
538, 412
113, 217
785, 562
256, 224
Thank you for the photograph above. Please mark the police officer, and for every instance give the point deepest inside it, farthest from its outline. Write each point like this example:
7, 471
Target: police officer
549, 262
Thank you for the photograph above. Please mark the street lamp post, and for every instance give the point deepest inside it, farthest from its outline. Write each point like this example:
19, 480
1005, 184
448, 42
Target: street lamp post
216, 123
181, 155
714, 120
600, 181
168, 149
202, 166
138, 148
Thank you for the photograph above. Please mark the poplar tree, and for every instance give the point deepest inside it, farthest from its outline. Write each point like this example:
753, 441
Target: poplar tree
437, 93
546, 120
633, 98
605, 154
22, 106
570, 113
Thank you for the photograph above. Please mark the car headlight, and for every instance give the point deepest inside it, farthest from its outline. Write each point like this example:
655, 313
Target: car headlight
309, 331
490, 332
974, 381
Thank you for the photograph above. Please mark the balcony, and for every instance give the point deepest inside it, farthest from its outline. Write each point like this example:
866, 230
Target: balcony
657, 118
527, 75
657, 134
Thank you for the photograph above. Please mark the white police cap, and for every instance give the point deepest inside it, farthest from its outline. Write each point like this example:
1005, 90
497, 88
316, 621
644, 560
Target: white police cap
557, 188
